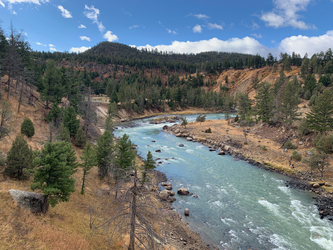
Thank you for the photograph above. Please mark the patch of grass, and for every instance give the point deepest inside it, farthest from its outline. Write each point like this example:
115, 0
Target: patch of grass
264, 148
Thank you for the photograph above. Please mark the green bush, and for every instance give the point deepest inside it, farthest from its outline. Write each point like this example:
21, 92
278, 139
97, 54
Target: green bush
296, 156
27, 128
264, 148
208, 130
19, 159
289, 145
303, 128
236, 118
324, 143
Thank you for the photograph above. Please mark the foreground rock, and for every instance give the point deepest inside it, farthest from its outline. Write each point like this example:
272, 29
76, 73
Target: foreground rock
28, 200
183, 191
164, 195
187, 212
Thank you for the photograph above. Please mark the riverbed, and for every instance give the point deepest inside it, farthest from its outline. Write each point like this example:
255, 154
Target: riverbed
239, 205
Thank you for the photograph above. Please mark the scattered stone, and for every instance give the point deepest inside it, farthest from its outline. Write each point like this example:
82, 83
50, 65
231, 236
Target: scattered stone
187, 212
315, 185
172, 193
158, 151
163, 184
181, 145
153, 141
168, 187
171, 199
195, 196
211, 149
221, 153
179, 135
189, 139
165, 127
300, 143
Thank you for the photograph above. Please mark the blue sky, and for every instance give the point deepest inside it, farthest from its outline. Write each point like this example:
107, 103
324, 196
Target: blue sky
183, 26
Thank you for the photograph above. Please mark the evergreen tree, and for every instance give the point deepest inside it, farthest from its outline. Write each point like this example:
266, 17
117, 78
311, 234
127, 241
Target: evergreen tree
320, 116
310, 83
63, 134
27, 128
124, 159
70, 121
52, 89
88, 161
280, 81
80, 138
289, 104
243, 103
184, 121
19, 159
55, 166
264, 102
104, 153
148, 166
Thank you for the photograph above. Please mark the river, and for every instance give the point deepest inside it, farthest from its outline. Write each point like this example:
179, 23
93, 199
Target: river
239, 205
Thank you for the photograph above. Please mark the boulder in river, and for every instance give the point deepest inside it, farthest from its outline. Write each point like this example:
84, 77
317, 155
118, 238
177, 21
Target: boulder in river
187, 212
178, 135
181, 145
183, 191
169, 187
172, 193
221, 152
189, 139
158, 151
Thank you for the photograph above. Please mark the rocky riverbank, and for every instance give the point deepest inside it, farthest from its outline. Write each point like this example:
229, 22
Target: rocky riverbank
249, 148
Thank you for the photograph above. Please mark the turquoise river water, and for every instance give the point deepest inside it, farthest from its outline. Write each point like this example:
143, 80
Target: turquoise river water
239, 205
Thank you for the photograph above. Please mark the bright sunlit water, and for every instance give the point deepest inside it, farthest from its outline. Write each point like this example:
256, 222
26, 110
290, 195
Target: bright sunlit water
239, 205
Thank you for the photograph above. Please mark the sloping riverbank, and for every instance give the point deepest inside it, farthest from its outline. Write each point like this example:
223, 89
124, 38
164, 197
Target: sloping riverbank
256, 150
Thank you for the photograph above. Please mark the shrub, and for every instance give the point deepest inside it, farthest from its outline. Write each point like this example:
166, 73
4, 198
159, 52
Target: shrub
324, 143
19, 159
289, 145
80, 138
208, 130
303, 128
201, 118
27, 128
296, 156
236, 118
264, 148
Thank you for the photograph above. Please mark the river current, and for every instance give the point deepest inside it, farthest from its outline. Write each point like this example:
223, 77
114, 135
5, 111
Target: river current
239, 205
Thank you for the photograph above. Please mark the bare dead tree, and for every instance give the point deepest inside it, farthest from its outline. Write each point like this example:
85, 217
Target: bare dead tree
6, 115
86, 109
133, 213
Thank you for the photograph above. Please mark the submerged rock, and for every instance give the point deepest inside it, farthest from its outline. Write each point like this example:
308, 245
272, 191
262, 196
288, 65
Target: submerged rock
183, 191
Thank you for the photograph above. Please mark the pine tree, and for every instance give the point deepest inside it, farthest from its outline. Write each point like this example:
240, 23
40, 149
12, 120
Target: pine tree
104, 153
264, 101
70, 121
320, 116
184, 121
55, 166
124, 159
289, 104
27, 128
88, 161
19, 159
148, 166
63, 134
80, 138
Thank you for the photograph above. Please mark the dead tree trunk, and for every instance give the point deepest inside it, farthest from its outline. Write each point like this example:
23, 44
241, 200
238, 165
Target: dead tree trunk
133, 214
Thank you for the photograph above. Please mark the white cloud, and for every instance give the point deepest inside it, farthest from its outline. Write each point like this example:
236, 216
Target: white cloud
92, 13
254, 26
65, 13
81, 26
214, 26
2, 4
257, 35
200, 16
53, 49
285, 14
172, 31
134, 27
197, 29
79, 50
41, 44
110, 37
304, 44
51, 45
38, 2
246, 45
85, 38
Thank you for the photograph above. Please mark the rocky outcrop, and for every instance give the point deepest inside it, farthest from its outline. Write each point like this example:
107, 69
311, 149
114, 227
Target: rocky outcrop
28, 200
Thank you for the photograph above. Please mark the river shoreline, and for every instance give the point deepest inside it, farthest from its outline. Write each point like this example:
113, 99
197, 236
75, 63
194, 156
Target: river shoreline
299, 180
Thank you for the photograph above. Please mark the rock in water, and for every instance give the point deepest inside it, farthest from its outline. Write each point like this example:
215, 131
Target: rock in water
28, 200
183, 191
172, 193
158, 151
186, 212
181, 145
221, 153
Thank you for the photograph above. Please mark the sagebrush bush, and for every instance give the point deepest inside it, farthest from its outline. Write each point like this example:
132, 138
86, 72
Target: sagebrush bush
303, 128
27, 128
208, 130
324, 143
296, 156
289, 145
